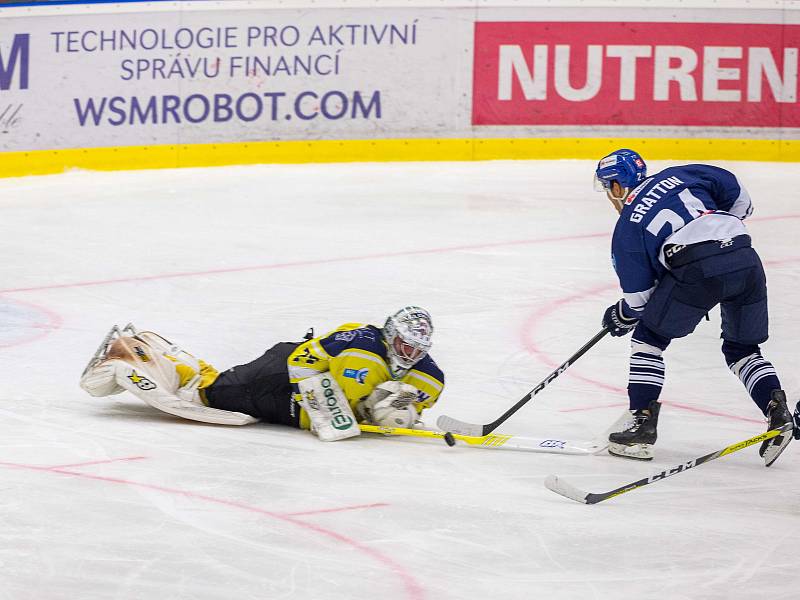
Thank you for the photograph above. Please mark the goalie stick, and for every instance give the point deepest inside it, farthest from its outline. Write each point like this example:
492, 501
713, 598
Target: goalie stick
446, 423
552, 445
559, 486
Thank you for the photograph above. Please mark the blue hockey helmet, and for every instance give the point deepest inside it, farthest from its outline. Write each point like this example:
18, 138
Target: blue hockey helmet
624, 166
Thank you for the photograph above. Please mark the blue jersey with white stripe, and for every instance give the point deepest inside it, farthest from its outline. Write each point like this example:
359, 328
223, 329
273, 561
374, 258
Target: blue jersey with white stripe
680, 205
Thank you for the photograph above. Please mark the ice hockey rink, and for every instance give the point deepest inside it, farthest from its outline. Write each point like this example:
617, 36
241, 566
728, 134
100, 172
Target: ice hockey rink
108, 498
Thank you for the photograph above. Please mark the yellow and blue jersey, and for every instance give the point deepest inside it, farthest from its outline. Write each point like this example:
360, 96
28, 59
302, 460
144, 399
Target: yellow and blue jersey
355, 355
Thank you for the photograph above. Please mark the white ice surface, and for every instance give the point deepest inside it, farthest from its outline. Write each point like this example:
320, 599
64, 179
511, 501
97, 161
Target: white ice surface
511, 258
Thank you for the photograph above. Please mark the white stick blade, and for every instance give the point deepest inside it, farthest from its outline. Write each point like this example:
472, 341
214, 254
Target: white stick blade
550, 445
559, 486
452, 425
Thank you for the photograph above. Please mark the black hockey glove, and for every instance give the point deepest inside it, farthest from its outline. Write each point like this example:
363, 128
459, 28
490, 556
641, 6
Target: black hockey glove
797, 421
619, 319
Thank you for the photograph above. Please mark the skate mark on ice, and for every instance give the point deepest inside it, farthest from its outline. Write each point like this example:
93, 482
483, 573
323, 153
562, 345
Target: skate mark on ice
412, 588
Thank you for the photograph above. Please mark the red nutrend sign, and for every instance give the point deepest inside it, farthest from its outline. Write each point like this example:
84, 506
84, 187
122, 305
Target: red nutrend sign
703, 74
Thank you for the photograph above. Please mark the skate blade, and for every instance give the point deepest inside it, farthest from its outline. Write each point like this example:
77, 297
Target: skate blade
634, 451
775, 447
113, 334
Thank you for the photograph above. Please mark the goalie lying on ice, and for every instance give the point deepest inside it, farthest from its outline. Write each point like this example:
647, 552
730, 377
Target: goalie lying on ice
354, 374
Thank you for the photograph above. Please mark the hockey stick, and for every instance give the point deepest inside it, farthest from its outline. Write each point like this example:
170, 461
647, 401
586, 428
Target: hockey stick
559, 486
446, 423
505, 442
553, 445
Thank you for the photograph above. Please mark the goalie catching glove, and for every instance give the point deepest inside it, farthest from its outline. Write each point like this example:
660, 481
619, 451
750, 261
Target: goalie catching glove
391, 404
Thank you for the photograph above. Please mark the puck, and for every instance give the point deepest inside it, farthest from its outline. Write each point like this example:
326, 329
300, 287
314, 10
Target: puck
448, 437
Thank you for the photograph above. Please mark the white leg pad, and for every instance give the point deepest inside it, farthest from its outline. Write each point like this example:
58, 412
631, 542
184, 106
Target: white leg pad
330, 413
140, 365
150, 386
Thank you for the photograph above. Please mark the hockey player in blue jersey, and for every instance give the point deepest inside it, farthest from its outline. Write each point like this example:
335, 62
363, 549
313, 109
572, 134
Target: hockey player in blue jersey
679, 248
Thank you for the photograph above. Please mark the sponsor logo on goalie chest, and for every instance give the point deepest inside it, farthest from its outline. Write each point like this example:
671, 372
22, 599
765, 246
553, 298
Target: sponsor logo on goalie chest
359, 375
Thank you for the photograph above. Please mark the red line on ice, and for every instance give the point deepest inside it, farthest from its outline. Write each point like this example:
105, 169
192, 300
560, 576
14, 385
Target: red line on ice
306, 263
412, 588
344, 259
331, 510
97, 462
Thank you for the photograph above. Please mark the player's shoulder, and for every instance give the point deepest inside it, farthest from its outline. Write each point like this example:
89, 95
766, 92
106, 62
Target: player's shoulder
354, 336
699, 173
429, 367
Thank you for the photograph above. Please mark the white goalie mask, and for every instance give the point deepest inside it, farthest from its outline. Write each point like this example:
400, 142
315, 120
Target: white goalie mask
408, 338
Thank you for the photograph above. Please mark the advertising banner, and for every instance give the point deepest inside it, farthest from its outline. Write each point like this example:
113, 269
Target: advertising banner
617, 73
187, 76
178, 83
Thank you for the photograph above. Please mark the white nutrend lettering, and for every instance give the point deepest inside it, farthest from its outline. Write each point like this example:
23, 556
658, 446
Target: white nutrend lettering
713, 73
678, 72
627, 67
760, 63
594, 74
512, 62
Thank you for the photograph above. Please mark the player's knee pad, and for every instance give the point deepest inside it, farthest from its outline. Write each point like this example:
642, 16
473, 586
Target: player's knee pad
642, 347
736, 353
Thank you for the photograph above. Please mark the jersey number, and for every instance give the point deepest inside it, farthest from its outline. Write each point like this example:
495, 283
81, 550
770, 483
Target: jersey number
306, 357
663, 217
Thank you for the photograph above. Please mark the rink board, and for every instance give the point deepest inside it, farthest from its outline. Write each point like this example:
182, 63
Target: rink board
153, 85
42, 162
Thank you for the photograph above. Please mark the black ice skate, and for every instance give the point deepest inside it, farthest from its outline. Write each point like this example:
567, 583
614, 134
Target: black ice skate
636, 441
777, 415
